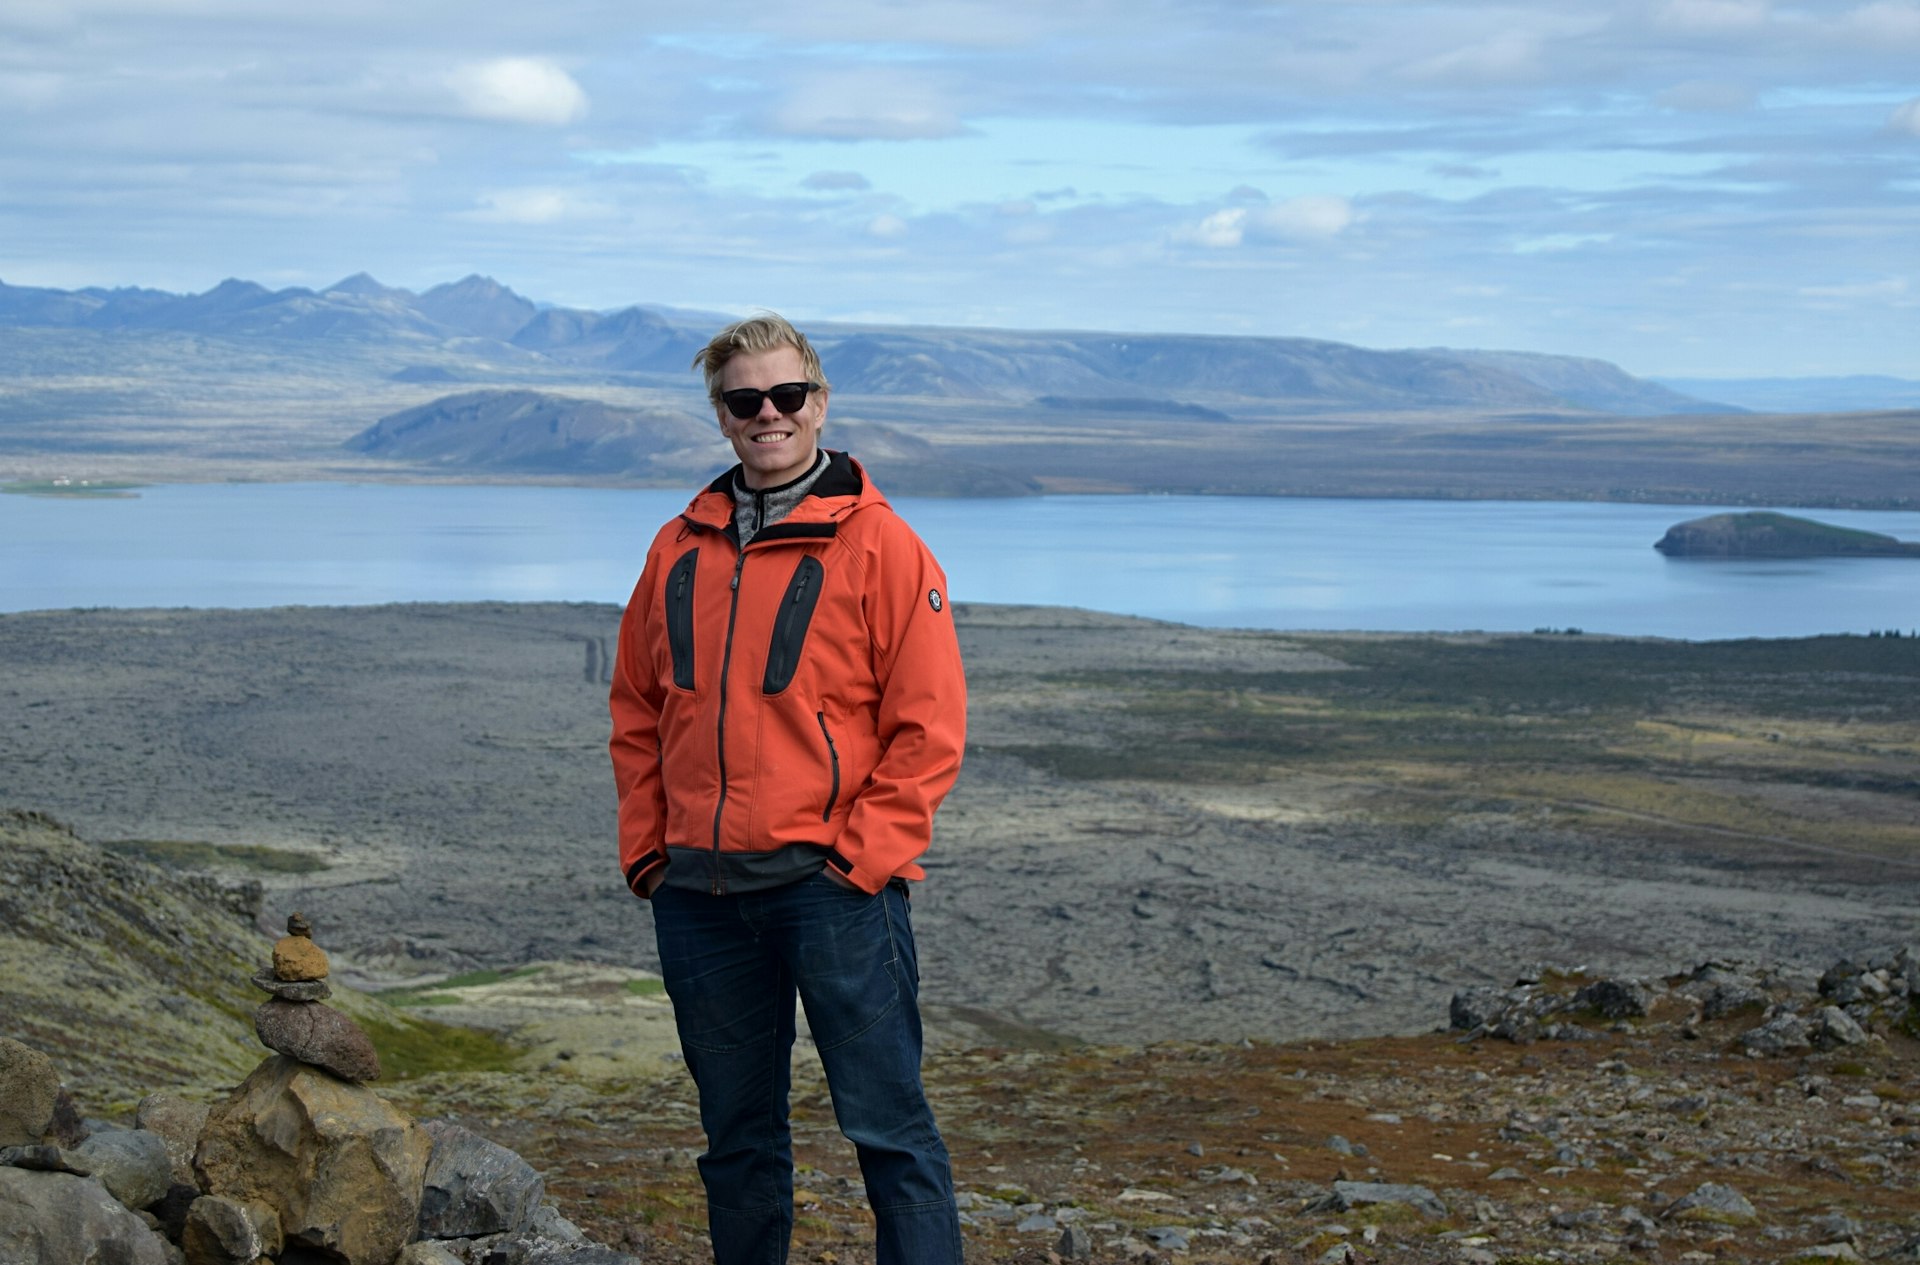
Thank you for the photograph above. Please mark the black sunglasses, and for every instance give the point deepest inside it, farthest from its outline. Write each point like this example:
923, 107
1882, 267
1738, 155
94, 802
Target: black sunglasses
788, 397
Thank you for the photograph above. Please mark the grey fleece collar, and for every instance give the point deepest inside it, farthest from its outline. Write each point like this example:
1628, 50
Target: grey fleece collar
755, 510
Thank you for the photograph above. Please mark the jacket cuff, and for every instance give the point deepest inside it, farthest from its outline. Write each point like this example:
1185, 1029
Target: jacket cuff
865, 880
640, 871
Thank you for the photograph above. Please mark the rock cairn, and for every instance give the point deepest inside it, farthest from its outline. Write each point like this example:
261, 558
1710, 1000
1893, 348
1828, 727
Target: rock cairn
301, 1162
296, 1023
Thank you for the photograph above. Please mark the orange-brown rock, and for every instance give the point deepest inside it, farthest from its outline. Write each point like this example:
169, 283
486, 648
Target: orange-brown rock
298, 958
340, 1167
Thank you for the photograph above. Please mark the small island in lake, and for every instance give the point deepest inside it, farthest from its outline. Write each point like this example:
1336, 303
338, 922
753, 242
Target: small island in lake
1769, 535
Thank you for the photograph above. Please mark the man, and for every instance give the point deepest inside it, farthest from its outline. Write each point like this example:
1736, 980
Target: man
788, 712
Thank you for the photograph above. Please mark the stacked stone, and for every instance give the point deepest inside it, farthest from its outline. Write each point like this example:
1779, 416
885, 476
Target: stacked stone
296, 1023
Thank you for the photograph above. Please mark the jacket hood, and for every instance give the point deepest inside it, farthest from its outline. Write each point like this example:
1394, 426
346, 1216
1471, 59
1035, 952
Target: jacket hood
843, 487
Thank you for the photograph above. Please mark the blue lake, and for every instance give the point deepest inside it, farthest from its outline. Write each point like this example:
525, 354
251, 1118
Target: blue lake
1246, 562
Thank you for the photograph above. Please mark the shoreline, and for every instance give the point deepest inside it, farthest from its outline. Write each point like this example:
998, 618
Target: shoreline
15, 482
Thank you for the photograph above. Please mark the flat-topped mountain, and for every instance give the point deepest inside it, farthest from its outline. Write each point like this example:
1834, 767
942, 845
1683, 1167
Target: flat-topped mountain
536, 433
532, 432
1768, 535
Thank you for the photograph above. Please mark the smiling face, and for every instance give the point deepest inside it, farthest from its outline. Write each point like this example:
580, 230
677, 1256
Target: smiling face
773, 447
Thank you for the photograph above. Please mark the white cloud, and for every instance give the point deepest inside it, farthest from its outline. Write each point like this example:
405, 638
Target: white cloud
518, 90
1706, 96
1504, 58
1223, 230
1891, 288
867, 105
949, 23
31, 90
1713, 15
886, 227
522, 206
837, 182
1906, 118
1315, 215
1555, 243
1311, 217
1886, 23
38, 17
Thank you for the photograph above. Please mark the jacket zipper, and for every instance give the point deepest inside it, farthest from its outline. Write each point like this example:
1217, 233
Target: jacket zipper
833, 754
720, 736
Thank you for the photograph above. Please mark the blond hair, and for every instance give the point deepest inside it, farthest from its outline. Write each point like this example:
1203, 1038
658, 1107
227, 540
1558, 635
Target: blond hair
762, 332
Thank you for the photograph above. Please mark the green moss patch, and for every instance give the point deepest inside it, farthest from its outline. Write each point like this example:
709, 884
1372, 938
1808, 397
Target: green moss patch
410, 1046
438, 992
189, 854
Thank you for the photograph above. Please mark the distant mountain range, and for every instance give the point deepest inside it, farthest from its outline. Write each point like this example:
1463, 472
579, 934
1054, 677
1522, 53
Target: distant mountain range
1856, 393
1234, 376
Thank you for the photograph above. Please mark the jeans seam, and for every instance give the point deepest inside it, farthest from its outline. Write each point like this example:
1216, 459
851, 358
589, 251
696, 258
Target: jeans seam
930, 1203
893, 973
745, 1212
775, 1121
871, 1023
893, 933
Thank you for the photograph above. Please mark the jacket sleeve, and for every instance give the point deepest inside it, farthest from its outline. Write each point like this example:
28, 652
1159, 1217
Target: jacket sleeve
922, 712
635, 746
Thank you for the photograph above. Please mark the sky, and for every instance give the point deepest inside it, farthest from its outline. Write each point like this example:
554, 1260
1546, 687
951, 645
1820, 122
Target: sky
1684, 187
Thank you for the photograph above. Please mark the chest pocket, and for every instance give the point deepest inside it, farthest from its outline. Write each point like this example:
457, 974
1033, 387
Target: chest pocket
790, 625
680, 617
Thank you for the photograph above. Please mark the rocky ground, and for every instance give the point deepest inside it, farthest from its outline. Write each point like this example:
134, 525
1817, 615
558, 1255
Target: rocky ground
1669, 1135
1730, 1112
1194, 893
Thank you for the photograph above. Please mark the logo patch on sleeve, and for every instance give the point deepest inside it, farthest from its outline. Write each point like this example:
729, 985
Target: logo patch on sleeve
934, 599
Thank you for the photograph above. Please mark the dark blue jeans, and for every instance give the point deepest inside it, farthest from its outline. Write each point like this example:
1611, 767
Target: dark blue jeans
733, 965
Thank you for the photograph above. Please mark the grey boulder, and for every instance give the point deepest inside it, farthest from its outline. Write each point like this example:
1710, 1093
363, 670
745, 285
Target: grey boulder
1712, 1202
1349, 1195
222, 1231
528, 1248
45, 1158
1785, 1033
1615, 998
427, 1252
61, 1219
131, 1163
178, 1123
1834, 1026
475, 1186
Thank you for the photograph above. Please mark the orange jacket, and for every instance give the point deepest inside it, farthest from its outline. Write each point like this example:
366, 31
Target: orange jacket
794, 704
